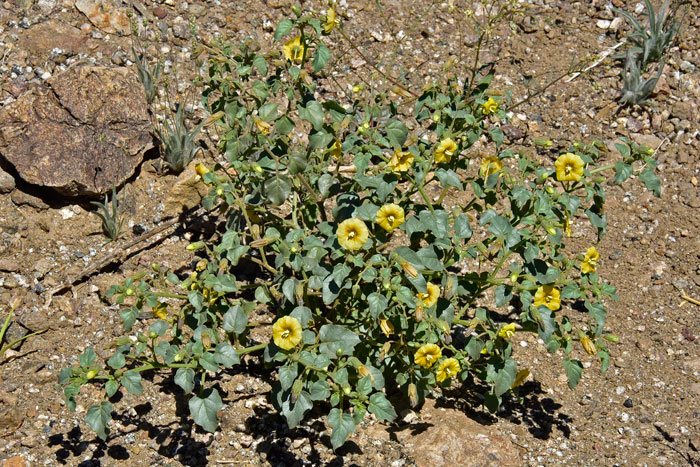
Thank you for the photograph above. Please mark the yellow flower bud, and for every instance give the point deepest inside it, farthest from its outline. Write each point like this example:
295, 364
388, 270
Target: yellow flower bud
386, 327
588, 346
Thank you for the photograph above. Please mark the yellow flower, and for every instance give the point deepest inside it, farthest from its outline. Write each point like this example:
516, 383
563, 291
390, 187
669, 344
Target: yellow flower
548, 296
447, 369
569, 167
352, 234
590, 261
263, 126
445, 150
490, 106
507, 331
161, 310
201, 169
390, 217
490, 165
520, 378
331, 21
430, 297
386, 327
286, 332
293, 50
427, 355
336, 150
401, 161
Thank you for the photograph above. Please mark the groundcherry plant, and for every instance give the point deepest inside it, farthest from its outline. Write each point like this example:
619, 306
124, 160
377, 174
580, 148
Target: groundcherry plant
389, 255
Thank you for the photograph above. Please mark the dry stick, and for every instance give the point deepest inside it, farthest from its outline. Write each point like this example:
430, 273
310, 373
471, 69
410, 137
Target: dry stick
691, 300
123, 252
603, 56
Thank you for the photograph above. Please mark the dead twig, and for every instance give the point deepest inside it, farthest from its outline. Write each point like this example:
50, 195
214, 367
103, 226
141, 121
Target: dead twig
691, 300
119, 254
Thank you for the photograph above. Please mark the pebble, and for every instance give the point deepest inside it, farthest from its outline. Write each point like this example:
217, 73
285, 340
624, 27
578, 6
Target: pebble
628, 403
159, 12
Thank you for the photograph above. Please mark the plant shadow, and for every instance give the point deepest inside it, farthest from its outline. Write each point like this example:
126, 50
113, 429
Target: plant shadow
175, 440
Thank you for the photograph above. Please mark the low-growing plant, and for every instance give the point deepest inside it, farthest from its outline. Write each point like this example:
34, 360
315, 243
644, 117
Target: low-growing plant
395, 248
112, 220
178, 143
650, 43
4, 347
636, 89
149, 78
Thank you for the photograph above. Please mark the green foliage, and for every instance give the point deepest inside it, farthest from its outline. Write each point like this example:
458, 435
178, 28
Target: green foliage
178, 143
650, 43
3, 330
364, 235
635, 88
648, 46
111, 219
148, 77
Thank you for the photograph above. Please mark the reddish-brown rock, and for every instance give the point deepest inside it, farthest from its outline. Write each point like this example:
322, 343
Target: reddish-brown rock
82, 131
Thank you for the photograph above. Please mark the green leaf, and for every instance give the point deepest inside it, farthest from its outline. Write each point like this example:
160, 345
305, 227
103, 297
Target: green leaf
283, 28
98, 417
597, 221
503, 295
111, 387
429, 257
622, 171
448, 178
377, 304
313, 113
205, 409
381, 407
342, 425
268, 112
320, 391
196, 299
651, 181
235, 320
261, 64
364, 385
116, 361
159, 327
294, 412
277, 189
131, 380
397, 133
303, 315
334, 337
184, 377
574, 369
226, 355
321, 57
462, 228
87, 358
505, 377
287, 374
496, 135
597, 312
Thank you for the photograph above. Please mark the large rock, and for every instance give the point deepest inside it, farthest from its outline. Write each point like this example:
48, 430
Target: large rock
451, 438
105, 15
84, 130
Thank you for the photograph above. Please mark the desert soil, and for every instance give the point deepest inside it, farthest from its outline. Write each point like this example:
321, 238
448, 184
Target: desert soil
643, 411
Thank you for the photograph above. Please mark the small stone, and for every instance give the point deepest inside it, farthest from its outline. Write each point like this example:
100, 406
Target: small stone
15, 461
628, 403
181, 30
160, 12
8, 265
603, 23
